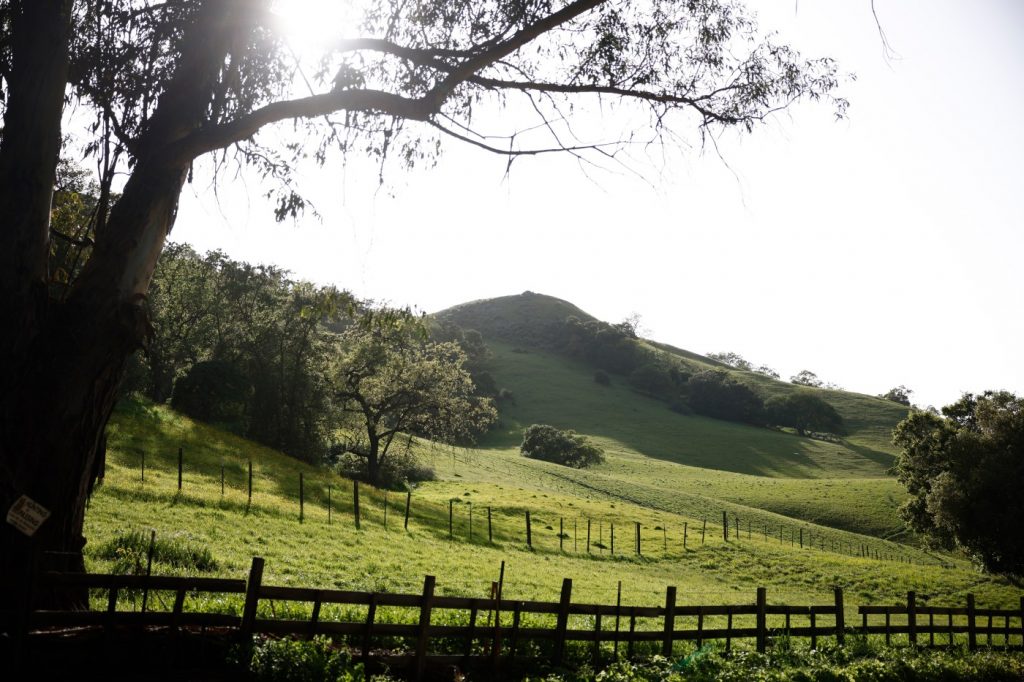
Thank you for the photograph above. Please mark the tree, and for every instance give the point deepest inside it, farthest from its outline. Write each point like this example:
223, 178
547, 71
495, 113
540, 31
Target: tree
168, 83
767, 371
804, 411
567, 448
393, 380
806, 377
964, 472
714, 393
732, 359
900, 394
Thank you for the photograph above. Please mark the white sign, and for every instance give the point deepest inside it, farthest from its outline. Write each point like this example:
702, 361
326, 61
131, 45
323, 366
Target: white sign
27, 515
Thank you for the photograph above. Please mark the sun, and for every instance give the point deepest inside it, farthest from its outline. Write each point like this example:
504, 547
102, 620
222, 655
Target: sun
310, 26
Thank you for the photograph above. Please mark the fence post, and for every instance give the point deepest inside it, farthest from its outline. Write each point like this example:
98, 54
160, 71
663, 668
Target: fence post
408, 501
328, 504
181, 457
762, 619
840, 617
149, 567
563, 620
638, 539
450, 530
685, 524
801, 538
702, 529
612, 528
252, 596
561, 533
912, 617
355, 501
421, 633
670, 621
490, 536
588, 536
249, 503
618, 612
529, 535
972, 631
725, 526
302, 500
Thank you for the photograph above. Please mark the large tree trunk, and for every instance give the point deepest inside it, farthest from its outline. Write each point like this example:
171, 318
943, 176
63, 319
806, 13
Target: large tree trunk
62, 362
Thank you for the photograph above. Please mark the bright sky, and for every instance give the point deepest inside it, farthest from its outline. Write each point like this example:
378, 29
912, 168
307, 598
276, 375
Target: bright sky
880, 250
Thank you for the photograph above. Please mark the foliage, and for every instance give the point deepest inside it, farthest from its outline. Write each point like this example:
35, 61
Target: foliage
129, 551
734, 360
392, 380
805, 377
804, 411
714, 393
652, 378
214, 391
568, 448
767, 371
611, 347
899, 394
965, 472
295, 660
244, 344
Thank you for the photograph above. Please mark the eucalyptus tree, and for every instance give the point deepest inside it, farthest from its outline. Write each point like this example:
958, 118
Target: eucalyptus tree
169, 82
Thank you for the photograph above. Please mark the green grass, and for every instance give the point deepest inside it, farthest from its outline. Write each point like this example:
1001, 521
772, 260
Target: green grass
315, 553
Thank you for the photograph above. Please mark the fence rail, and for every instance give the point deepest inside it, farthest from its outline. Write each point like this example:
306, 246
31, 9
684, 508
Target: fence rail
494, 629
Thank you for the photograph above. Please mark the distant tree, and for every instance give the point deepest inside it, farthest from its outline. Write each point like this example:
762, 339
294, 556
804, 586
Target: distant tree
732, 359
806, 378
714, 393
568, 448
900, 394
803, 411
965, 472
651, 378
391, 379
767, 371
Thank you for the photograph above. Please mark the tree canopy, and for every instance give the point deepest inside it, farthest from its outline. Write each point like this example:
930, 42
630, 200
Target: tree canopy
964, 471
393, 381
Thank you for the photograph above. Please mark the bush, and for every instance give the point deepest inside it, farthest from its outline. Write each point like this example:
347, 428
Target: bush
652, 379
568, 448
601, 377
714, 393
274, 660
397, 470
213, 391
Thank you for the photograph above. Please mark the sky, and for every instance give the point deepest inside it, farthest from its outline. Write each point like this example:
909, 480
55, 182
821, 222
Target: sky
879, 250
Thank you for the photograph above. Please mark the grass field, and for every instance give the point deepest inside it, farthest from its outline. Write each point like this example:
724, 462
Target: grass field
315, 553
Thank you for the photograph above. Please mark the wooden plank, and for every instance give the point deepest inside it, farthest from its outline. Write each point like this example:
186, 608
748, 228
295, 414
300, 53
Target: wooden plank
840, 617
762, 621
371, 615
252, 595
424, 624
670, 612
153, 582
562, 622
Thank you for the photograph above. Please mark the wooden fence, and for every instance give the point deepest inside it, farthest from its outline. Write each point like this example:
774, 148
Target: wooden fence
495, 632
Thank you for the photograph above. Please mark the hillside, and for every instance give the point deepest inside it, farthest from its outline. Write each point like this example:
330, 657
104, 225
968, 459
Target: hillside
328, 551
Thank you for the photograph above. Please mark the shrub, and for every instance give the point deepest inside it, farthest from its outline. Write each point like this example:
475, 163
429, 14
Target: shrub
315, 660
568, 448
650, 378
714, 393
601, 377
397, 470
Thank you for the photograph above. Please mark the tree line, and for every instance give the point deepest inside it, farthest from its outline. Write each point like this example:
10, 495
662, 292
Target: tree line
304, 368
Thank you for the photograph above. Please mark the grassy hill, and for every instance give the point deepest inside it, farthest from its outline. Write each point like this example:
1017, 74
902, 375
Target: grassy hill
666, 471
317, 553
